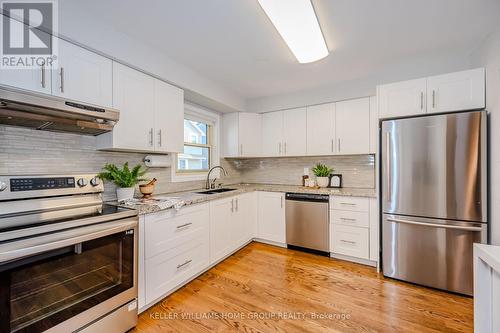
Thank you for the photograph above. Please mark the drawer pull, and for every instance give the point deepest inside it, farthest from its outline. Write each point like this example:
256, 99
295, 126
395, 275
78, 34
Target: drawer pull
184, 264
348, 219
348, 242
348, 204
184, 225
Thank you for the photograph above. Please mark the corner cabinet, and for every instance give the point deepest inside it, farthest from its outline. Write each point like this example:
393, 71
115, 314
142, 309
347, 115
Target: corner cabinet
242, 134
151, 114
464, 90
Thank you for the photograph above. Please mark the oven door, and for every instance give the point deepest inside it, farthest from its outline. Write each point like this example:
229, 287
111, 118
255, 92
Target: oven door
66, 280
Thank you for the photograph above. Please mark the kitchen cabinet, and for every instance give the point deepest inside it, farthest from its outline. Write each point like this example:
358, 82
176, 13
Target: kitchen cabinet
168, 118
37, 79
272, 133
244, 219
294, 132
373, 125
374, 230
151, 114
133, 95
83, 76
321, 129
221, 243
242, 134
402, 98
463, 90
271, 217
352, 120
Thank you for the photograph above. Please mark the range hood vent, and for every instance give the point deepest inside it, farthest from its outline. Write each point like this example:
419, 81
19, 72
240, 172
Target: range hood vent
42, 112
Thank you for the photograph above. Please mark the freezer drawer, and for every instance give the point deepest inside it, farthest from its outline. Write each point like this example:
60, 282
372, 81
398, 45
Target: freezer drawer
434, 253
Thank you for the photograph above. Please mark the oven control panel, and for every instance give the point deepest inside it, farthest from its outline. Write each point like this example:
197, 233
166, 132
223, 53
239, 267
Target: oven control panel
32, 184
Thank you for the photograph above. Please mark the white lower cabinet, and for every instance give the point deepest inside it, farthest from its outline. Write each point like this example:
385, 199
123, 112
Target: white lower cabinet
271, 217
350, 241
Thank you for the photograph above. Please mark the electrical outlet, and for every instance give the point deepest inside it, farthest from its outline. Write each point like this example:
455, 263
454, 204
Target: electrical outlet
306, 171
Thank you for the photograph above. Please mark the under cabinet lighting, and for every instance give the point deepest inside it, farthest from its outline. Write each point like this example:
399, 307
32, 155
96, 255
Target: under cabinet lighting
298, 25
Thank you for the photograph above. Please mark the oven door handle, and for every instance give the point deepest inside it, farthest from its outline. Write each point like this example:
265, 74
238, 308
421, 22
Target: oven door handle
31, 246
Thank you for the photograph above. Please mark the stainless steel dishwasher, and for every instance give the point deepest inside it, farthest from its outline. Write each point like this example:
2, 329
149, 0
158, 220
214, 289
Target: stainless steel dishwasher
307, 223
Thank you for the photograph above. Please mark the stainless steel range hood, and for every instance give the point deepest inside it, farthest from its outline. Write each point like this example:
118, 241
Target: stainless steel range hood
43, 112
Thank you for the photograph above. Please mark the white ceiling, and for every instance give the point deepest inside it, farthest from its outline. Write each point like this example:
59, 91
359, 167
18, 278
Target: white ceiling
233, 43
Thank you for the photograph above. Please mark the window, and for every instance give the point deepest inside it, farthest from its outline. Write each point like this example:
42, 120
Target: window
197, 147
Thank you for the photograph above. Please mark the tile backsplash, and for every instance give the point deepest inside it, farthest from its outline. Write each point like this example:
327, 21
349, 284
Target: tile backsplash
28, 151
357, 170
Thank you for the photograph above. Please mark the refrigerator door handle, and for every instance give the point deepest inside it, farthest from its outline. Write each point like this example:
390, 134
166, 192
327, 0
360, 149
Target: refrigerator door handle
388, 164
446, 226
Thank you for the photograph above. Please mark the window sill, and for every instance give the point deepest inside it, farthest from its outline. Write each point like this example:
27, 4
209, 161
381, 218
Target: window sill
186, 177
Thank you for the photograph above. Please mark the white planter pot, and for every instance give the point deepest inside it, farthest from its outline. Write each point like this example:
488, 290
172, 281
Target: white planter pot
322, 181
125, 193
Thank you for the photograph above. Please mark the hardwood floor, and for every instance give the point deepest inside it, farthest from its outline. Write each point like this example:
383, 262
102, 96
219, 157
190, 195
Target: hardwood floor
251, 290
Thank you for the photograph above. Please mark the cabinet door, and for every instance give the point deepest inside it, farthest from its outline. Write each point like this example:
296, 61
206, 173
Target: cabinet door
374, 230
353, 126
271, 217
402, 98
221, 242
37, 79
243, 219
168, 117
456, 91
133, 94
229, 135
321, 129
373, 125
83, 76
272, 133
249, 134
294, 130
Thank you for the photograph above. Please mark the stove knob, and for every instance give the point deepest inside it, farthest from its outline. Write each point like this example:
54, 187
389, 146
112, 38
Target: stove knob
3, 186
82, 182
94, 181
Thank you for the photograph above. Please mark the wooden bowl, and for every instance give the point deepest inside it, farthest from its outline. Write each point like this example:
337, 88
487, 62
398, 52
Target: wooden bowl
147, 190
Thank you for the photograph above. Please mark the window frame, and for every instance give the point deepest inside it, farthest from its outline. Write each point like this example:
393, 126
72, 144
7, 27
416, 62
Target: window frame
198, 145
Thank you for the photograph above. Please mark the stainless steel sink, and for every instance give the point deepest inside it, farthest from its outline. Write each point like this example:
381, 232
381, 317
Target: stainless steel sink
219, 190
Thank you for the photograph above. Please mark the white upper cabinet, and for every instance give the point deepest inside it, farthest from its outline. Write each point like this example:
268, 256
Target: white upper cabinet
373, 125
83, 76
353, 126
241, 134
272, 133
321, 129
456, 91
133, 95
37, 79
294, 132
402, 98
168, 117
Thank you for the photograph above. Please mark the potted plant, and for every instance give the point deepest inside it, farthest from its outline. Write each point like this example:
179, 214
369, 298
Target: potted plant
322, 173
124, 178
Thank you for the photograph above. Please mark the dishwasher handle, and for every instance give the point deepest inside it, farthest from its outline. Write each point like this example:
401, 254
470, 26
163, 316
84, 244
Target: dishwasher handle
307, 197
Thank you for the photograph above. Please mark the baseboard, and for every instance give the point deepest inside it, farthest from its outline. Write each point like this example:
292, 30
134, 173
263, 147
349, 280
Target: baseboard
354, 259
268, 242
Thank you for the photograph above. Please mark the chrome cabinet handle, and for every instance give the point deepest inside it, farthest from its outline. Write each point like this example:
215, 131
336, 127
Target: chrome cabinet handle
184, 225
333, 144
279, 148
347, 219
151, 137
43, 74
421, 100
236, 204
159, 137
446, 226
61, 75
348, 204
241, 149
232, 205
388, 164
284, 146
433, 99
281, 202
348, 242
339, 145
184, 263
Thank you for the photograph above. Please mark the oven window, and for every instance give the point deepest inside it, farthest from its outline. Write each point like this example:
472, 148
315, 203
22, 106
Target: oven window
42, 291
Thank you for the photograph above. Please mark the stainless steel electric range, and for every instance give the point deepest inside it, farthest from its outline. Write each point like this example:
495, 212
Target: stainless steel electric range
68, 262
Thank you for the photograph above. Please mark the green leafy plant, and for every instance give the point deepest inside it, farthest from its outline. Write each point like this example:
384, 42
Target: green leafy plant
321, 170
123, 177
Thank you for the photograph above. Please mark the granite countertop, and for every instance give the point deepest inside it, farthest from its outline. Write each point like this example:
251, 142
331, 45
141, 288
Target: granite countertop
191, 197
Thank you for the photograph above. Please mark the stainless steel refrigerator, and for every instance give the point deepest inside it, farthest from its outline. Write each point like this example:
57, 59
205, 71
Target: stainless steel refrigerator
434, 198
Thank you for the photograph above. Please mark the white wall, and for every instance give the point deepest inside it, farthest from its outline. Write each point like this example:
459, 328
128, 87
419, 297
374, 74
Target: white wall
365, 86
488, 56
76, 26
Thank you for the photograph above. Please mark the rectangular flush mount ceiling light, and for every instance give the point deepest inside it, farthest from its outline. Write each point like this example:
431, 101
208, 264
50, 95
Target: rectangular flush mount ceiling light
297, 23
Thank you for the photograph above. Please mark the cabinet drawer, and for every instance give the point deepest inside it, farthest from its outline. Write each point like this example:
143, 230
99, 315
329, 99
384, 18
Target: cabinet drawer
349, 203
169, 269
349, 218
349, 241
167, 230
